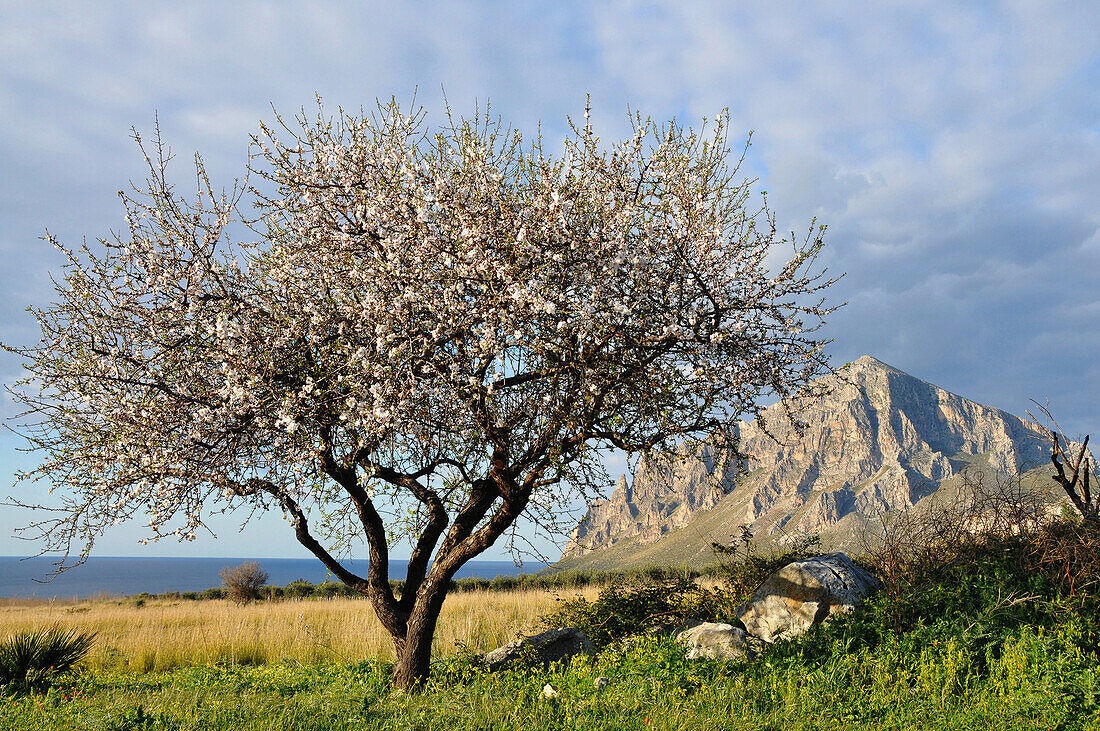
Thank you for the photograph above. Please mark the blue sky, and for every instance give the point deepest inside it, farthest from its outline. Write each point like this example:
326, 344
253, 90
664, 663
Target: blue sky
953, 149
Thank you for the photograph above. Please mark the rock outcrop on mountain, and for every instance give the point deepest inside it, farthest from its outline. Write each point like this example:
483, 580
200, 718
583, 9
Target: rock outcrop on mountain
879, 441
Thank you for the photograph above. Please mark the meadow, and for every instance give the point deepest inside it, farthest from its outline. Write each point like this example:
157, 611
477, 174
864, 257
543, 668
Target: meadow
1036, 679
156, 634
994, 631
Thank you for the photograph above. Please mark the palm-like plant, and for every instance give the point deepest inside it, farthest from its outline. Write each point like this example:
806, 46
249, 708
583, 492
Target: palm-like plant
32, 660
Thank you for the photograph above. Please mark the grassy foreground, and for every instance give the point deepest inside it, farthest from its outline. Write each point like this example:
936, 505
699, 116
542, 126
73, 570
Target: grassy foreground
1037, 680
982, 632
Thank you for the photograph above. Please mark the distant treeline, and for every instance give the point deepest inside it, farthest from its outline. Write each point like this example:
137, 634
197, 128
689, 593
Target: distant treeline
302, 589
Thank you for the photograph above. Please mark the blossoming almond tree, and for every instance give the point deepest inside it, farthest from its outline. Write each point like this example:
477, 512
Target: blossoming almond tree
428, 334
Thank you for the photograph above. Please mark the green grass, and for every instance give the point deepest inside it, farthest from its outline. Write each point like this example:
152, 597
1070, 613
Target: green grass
996, 633
1037, 679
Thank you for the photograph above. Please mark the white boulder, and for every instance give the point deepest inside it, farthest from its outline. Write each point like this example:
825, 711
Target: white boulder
714, 640
805, 593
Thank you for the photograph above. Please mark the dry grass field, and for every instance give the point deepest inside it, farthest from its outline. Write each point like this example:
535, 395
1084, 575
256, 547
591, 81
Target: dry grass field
160, 634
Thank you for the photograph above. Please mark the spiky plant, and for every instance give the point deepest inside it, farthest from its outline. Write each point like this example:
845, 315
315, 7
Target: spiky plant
32, 660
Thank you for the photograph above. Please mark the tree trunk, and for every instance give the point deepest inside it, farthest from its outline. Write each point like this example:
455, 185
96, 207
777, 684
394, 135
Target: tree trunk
414, 649
414, 657
414, 652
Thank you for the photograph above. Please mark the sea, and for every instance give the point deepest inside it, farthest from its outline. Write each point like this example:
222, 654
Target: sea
106, 576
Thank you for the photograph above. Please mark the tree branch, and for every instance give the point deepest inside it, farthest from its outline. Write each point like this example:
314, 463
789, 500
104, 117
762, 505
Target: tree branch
301, 530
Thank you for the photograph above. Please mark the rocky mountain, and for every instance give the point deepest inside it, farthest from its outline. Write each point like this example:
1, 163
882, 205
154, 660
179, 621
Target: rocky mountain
879, 441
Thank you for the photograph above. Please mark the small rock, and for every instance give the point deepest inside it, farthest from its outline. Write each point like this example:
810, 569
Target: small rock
714, 640
805, 593
601, 682
545, 648
549, 691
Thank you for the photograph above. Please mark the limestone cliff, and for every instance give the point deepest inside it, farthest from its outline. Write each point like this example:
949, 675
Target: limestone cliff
880, 440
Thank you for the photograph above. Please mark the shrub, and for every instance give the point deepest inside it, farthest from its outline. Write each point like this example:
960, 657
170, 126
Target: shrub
471, 583
33, 660
242, 583
298, 589
955, 527
654, 597
503, 583
994, 532
1067, 554
628, 608
332, 589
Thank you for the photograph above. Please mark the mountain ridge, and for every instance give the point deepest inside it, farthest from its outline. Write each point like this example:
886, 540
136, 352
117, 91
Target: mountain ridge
878, 442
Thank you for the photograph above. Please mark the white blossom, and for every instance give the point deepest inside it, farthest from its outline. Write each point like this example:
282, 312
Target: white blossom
429, 326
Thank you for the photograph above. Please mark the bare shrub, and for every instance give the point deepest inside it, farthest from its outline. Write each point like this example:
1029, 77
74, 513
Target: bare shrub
989, 518
242, 583
925, 540
1071, 554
